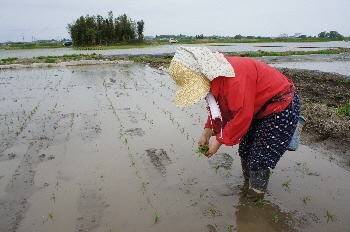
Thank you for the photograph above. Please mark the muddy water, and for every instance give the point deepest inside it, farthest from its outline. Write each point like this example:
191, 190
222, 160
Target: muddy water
103, 148
171, 48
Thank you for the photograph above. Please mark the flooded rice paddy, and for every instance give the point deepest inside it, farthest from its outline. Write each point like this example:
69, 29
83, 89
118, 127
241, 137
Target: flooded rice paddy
103, 148
171, 48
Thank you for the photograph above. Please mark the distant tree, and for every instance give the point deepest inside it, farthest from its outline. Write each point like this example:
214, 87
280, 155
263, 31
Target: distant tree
92, 30
238, 36
335, 35
125, 28
323, 35
140, 28
99, 23
76, 31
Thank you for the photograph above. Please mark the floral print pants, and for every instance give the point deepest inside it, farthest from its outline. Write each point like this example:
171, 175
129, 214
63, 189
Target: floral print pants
267, 139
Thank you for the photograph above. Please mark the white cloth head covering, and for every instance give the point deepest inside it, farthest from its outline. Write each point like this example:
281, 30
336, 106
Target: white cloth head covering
204, 62
193, 69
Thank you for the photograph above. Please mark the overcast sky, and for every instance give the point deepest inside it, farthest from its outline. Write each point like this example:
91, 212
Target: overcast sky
23, 20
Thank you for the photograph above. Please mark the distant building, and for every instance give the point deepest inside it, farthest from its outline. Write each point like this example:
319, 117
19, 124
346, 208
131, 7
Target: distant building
149, 37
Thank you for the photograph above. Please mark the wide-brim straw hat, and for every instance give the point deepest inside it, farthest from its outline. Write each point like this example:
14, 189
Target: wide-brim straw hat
193, 69
191, 86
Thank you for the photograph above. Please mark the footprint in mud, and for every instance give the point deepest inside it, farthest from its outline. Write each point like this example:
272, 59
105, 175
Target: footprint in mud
133, 116
221, 160
135, 131
12, 155
159, 159
91, 210
211, 228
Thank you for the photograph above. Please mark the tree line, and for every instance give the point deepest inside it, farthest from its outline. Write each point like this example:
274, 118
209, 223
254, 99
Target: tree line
331, 34
96, 30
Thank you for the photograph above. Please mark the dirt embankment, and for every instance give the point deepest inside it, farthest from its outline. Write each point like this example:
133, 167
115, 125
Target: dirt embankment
322, 94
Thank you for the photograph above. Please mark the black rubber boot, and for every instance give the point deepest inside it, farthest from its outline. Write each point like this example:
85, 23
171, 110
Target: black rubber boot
258, 184
245, 171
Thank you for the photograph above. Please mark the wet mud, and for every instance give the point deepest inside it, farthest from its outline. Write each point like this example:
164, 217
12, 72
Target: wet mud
103, 148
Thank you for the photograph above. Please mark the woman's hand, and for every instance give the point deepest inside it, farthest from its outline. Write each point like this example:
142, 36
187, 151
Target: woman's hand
213, 148
205, 137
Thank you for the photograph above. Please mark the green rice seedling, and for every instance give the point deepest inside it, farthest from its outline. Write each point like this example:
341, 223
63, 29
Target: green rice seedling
156, 217
261, 202
28, 158
275, 218
330, 215
193, 141
190, 180
287, 183
202, 149
53, 197
137, 174
306, 199
67, 137
304, 166
50, 215
229, 228
71, 121
216, 168
213, 210
201, 194
143, 187
23, 200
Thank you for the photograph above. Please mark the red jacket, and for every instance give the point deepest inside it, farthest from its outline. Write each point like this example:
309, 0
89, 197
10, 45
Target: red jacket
242, 96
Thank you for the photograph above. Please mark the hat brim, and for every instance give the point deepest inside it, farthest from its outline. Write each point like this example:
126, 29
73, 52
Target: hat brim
191, 86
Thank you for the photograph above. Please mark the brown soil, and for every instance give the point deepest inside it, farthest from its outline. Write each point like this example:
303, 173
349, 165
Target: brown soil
321, 95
